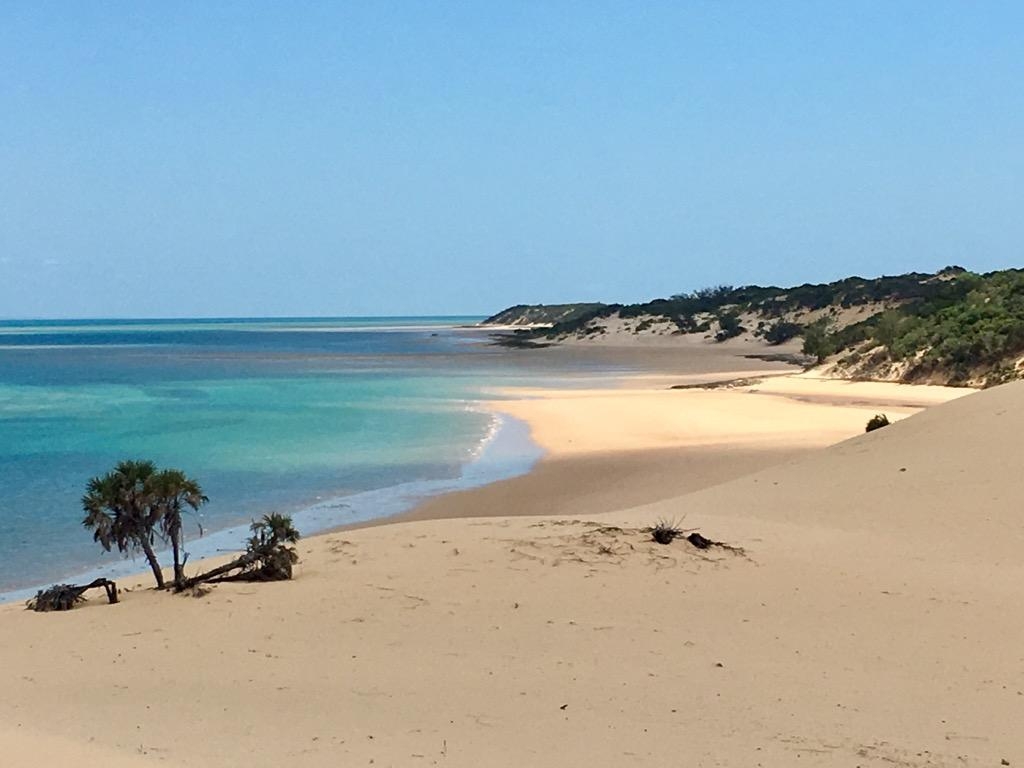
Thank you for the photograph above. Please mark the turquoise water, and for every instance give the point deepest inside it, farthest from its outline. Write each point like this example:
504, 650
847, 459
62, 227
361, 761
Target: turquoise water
333, 420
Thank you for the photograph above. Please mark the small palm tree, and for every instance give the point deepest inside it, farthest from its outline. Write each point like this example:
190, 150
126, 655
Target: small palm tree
272, 530
269, 555
119, 511
172, 491
269, 542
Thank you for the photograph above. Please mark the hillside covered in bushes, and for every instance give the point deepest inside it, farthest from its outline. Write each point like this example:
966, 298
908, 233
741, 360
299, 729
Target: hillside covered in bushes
952, 327
541, 314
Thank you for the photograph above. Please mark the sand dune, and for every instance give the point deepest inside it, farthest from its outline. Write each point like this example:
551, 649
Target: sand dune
608, 449
873, 619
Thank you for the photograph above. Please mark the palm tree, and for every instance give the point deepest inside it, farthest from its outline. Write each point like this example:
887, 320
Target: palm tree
270, 537
267, 556
173, 490
272, 530
119, 510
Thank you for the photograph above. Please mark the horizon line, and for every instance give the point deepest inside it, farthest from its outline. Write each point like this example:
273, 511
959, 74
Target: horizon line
229, 318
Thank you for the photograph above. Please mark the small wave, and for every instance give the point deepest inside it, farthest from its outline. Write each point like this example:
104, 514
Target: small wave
494, 426
505, 451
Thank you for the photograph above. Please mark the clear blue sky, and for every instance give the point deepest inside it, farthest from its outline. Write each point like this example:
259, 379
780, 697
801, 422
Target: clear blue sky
289, 158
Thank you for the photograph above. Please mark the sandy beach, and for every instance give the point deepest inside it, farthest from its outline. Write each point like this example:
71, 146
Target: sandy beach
868, 615
488, 385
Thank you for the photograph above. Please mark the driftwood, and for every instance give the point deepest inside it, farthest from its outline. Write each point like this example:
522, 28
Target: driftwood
666, 531
64, 597
248, 567
238, 569
701, 542
216, 574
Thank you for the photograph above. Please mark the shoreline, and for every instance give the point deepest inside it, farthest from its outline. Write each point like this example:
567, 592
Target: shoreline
618, 473
512, 463
556, 369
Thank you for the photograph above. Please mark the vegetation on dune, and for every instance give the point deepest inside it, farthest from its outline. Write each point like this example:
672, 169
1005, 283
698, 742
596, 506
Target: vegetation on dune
580, 322
819, 340
729, 326
978, 322
771, 302
953, 327
877, 421
666, 531
781, 331
541, 314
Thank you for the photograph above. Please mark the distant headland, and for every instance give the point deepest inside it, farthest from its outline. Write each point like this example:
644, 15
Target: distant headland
952, 327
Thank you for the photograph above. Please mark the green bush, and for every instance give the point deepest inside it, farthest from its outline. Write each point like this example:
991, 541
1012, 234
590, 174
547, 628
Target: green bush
877, 421
729, 327
782, 331
953, 325
818, 341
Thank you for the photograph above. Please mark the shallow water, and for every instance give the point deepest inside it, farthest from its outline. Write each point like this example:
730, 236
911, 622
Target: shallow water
332, 420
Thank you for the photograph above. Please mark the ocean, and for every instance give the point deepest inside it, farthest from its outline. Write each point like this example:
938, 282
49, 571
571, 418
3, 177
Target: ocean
331, 420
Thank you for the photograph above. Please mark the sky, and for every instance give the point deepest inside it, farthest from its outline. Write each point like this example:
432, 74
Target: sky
193, 159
